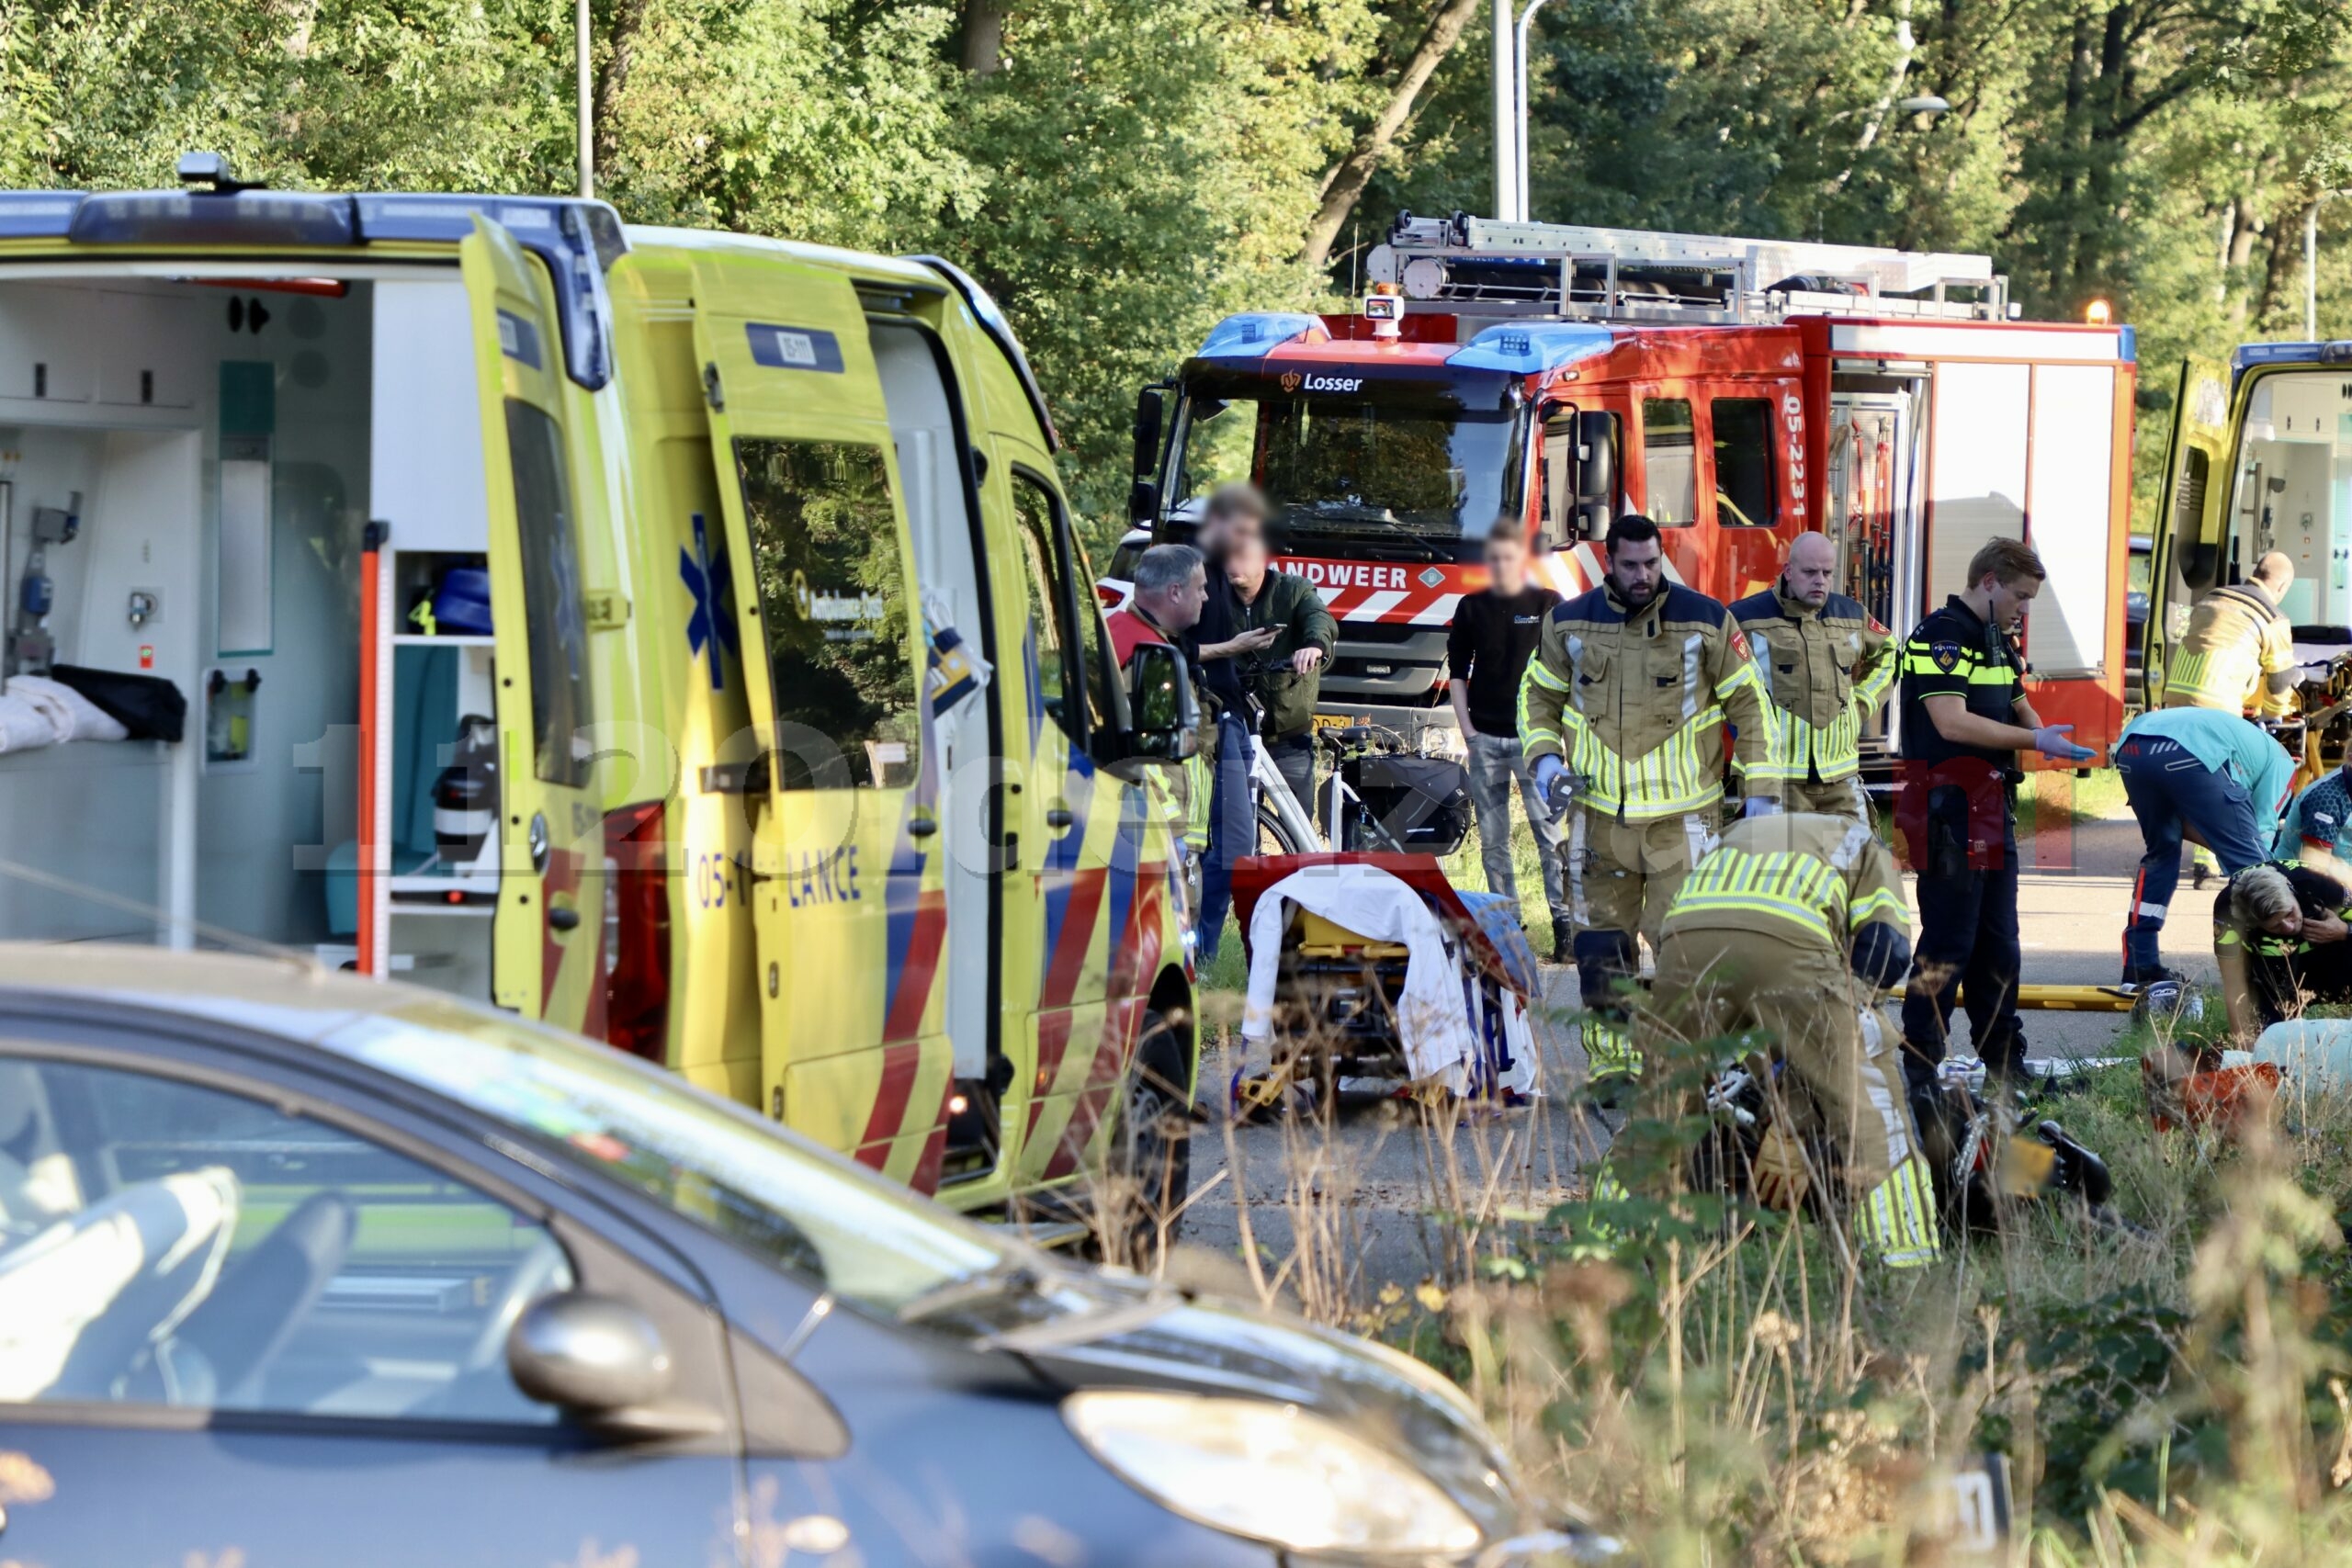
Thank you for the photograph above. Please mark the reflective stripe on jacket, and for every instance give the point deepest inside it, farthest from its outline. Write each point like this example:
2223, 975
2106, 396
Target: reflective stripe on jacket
1635, 702
2238, 652
1824, 877
1827, 670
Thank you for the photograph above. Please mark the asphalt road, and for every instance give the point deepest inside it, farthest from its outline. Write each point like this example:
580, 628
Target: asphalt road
1334, 1215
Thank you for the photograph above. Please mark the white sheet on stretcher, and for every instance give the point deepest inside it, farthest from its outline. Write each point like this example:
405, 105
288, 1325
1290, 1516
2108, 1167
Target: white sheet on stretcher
1433, 1018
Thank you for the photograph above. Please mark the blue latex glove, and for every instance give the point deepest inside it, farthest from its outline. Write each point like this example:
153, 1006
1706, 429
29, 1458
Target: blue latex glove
1556, 784
2050, 741
1760, 806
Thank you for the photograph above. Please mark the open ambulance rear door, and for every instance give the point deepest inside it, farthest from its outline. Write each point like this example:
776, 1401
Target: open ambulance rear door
849, 902
549, 924
2186, 558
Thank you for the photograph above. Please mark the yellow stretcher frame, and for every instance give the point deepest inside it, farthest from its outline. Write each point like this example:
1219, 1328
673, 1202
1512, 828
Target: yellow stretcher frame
2071, 999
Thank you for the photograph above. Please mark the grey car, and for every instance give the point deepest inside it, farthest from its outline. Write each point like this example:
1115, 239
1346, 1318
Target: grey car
297, 1269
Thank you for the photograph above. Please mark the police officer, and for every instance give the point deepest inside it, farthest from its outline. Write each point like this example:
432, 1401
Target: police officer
1965, 718
2238, 651
1827, 664
1622, 713
1792, 928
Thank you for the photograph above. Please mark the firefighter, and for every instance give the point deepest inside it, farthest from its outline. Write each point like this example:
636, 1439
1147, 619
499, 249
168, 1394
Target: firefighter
1827, 664
2239, 651
1622, 715
1790, 929
1965, 718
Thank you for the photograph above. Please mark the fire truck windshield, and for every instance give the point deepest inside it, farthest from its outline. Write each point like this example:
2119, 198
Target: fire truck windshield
1361, 467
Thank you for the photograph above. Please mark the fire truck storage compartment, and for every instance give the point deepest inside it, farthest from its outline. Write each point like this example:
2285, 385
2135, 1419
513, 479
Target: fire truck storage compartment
2027, 451
227, 442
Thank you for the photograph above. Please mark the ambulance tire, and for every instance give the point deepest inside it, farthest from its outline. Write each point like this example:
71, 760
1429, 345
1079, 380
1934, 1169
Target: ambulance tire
1151, 1150
1274, 838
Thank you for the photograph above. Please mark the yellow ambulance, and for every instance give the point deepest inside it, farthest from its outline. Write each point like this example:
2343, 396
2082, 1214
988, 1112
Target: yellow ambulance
677, 636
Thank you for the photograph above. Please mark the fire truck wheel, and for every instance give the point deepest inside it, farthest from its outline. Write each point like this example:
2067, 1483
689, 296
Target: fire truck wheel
1151, 1151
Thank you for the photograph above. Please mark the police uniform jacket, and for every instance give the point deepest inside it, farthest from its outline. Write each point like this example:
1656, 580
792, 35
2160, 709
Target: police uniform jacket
1827, 670
1635, 701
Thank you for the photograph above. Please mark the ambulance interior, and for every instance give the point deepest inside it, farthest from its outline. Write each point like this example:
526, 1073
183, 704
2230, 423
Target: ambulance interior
2292, 491
186, 472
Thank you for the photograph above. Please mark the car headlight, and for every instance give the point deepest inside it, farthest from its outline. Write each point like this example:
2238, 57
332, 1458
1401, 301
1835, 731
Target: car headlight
1273, 1472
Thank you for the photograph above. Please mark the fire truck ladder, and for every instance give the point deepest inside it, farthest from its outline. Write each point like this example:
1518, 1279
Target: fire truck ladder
1480, 266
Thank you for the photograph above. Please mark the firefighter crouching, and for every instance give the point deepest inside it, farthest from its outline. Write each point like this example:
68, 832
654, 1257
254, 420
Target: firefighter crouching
2239, 651
1622, 713
1791, 928
1827, 665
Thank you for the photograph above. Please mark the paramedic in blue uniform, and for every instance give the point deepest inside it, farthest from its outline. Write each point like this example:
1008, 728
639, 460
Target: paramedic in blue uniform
1965, 718
2317, 831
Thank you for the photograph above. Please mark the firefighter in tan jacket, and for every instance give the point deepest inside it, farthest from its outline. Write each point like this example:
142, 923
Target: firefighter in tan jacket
1622, 713
1827, 664
2239, 651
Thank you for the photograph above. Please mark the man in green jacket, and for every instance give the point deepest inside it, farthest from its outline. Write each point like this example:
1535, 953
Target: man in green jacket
1286, 676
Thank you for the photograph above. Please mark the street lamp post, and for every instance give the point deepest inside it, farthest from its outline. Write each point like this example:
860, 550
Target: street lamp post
1519, 107
1506, 116
587, 101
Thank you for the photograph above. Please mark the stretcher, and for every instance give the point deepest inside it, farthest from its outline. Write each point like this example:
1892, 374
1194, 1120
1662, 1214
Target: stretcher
2071, 999
1338, 1013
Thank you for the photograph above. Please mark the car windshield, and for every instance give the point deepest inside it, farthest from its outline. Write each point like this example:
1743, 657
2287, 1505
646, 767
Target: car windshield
1357, 466
715, 1163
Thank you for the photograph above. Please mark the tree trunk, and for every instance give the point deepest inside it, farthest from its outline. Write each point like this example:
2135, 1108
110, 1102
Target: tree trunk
1345, 184
620, 41
2285, 231
983, 37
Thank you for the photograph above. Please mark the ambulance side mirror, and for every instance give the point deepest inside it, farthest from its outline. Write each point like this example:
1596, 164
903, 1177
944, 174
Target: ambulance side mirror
1164, 717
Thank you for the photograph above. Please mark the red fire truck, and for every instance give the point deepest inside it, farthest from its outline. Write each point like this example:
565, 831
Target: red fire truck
1548, 377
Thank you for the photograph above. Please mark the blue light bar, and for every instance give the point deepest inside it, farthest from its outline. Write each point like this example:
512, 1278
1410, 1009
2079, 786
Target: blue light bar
2127, 345
2248, 355
1256, 333
984, 309
212, 218
38, 214
1532, 348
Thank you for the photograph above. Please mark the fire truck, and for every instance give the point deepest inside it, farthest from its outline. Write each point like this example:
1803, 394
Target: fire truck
1548, 377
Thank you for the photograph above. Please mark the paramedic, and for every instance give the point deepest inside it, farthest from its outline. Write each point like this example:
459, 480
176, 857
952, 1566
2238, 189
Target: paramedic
2238, 651
2317, 831
1793, 927
2203, 772
2278, 939
1494, 633
1622, 715
1285, 675
1966, 717
1828, 663
1216, 646
1171, 584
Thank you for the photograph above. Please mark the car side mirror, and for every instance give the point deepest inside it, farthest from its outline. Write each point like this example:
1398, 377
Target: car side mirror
1164, 715
601, 1360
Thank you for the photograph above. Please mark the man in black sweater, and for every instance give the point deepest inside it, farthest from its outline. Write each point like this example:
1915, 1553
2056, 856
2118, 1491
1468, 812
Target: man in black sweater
1216, 645
1494, 633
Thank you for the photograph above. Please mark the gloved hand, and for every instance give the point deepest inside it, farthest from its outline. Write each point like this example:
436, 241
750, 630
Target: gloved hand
1557, 786
1760, 806
2050, 741
1779, 1170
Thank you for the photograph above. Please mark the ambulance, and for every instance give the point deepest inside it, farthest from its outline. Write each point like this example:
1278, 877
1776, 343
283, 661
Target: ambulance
2260, 460
678, 636
1546, 378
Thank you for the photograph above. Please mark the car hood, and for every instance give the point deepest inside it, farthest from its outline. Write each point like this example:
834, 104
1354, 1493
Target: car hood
1205, 1346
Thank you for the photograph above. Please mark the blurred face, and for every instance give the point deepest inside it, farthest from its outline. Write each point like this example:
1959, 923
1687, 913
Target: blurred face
2009, 600
1811, 563
1637, 570
1245, 558
1220, 530
1507, 564
1178, 609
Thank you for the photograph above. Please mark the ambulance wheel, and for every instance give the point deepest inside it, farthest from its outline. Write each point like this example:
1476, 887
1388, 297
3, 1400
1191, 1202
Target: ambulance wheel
1151, 1150
1274, 838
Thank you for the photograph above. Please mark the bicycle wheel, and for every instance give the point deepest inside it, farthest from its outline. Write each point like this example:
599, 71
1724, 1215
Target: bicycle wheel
1273, 837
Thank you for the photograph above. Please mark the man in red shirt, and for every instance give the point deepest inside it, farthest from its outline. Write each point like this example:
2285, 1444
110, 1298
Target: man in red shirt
1171, 584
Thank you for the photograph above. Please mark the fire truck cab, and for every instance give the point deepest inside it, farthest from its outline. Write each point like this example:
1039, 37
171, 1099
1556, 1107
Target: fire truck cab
1548, 377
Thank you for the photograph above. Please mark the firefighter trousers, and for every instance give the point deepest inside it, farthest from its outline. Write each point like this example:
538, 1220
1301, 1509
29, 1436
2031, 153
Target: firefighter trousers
1795, 1001
1621, 876
1844, 798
